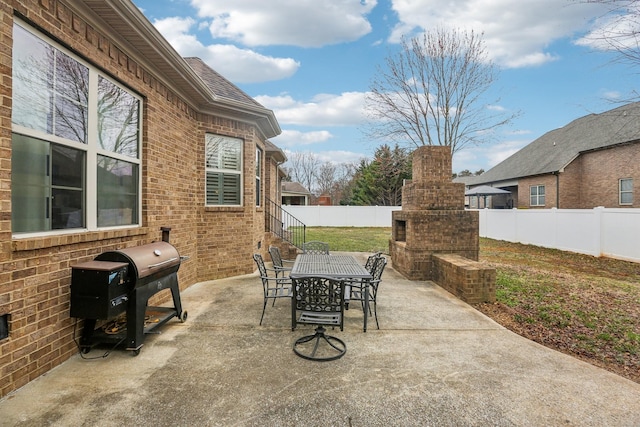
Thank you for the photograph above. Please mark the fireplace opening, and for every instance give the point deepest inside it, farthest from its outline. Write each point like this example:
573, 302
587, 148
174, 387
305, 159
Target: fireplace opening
401, 231
4, 326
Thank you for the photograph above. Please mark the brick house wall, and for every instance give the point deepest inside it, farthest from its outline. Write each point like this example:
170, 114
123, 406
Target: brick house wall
524, 185
35, 272
591, 180
571, 183
602, 171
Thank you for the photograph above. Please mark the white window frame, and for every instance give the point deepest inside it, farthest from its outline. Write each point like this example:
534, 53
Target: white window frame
537, 195
91, 149
259, 173
622, 192
239, 172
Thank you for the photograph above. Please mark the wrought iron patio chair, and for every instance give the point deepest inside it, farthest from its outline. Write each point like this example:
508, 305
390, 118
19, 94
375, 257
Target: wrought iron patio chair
315, 248
368, 266
278, 262
273, 287
357, 292
318, 300
371, 261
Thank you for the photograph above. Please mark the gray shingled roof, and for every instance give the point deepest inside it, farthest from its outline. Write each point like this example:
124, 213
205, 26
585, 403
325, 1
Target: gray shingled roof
228, 96
294, 187
219, 85
275, 151
556, 149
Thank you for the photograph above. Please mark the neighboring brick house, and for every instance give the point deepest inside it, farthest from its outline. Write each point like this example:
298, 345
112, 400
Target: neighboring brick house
107, 135
593, 161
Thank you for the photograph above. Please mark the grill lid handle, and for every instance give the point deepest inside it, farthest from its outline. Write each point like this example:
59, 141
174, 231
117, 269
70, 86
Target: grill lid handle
166, 261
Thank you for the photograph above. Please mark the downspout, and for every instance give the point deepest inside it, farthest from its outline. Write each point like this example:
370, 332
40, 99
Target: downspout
557, 174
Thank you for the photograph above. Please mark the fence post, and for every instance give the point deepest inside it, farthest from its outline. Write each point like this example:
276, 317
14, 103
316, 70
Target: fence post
599, 234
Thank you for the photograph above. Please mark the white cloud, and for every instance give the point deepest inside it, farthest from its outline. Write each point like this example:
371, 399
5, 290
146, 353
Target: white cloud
516, 33
465, 160
335, 157
294, 138
518, 132
616, 31
305, 23
237, 65
498, 108
487, 156
499, 152
323, 110
611, 94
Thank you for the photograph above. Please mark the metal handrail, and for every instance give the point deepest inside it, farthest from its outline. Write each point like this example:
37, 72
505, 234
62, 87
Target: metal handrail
284, 225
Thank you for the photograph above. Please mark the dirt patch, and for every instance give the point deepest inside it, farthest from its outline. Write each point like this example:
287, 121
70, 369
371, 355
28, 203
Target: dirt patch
583, 306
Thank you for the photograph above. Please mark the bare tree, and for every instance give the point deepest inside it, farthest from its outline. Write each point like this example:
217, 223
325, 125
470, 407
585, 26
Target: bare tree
619, 30
334, 180
431, 92
343, 186
326, 178
329, 178
303, 168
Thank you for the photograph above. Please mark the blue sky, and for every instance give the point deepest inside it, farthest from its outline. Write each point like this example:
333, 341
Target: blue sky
312, 61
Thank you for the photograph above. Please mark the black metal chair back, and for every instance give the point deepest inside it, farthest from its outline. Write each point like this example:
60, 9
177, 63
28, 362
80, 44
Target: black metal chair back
315, 248
277, 261
320, 301
357, 289
273, 287
374, 285
371, 261
378, 268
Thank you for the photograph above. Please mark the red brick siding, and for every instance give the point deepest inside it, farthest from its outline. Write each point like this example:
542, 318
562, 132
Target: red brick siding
471, 281
524, 185
571, 182
589, 181
601, 172
35, 272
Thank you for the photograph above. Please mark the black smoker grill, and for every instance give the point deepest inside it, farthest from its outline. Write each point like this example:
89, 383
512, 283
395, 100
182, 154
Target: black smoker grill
122, 281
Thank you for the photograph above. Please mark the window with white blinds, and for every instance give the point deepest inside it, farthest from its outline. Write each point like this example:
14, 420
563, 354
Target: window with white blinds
223, 164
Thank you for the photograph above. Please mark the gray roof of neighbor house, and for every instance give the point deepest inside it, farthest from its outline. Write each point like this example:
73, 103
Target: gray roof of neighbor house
554, 150
205, 90
294, 187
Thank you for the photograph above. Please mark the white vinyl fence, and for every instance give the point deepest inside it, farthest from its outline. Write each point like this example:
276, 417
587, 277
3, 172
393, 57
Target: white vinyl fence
343, 216
600, 231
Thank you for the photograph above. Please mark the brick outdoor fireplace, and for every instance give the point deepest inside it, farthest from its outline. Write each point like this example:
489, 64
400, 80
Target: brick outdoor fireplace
433, 236
433, 219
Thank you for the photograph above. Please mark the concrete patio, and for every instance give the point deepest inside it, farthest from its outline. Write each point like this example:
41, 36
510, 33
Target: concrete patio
434, 362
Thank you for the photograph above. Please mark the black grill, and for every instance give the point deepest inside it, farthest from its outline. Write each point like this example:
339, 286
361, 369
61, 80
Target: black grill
121, 282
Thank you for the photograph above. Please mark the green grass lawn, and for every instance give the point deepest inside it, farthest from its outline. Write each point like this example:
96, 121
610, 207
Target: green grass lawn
352, 239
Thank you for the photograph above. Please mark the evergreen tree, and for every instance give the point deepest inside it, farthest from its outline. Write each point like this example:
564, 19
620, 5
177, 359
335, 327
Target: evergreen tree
379, 182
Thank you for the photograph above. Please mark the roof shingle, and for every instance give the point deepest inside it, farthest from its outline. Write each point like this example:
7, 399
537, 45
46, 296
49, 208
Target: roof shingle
556, 149
217, 83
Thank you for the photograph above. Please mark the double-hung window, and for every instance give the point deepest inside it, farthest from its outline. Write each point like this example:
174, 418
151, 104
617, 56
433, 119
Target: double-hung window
258, 175
536, 193
625, 189
75, 142
223, 165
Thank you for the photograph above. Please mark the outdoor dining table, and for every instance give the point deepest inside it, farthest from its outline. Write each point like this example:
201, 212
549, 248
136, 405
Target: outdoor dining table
337, 267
